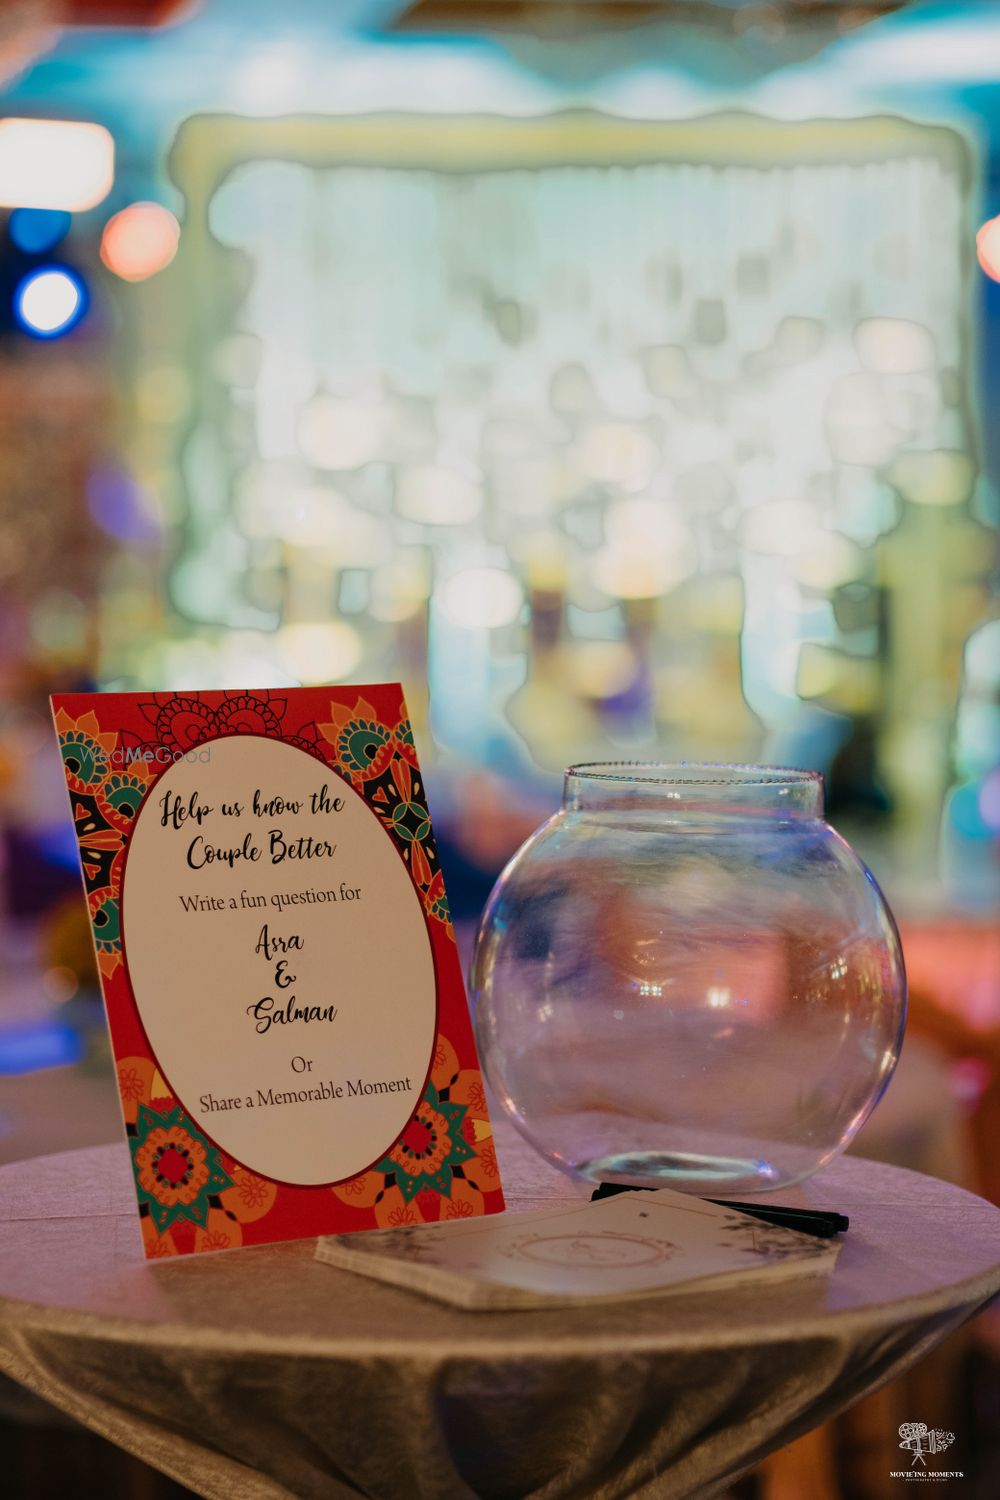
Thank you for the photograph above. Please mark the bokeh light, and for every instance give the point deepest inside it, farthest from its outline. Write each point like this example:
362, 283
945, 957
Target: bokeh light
60, 984
649, 550
320, 651
894, 346
401, 586
616, 454
60, 164
50, 302
139, 241
339, 434
438, 497
35, 230
988, 248
481, 598
119, 506
940, 477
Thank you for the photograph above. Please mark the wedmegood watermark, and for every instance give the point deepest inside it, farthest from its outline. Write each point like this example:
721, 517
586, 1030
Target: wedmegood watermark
123, 756
923, 1441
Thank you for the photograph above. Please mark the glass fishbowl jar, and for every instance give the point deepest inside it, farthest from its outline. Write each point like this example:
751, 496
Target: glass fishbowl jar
687, 979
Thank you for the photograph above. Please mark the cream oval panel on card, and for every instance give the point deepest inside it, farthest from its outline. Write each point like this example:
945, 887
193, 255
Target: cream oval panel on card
289, 997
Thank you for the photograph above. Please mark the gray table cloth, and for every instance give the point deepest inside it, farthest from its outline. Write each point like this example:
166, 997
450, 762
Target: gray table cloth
261, 1375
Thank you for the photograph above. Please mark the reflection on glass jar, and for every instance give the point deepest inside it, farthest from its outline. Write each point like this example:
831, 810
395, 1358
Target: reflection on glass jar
686, 978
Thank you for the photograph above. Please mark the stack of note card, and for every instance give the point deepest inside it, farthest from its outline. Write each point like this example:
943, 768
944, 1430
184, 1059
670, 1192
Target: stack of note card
632, 1245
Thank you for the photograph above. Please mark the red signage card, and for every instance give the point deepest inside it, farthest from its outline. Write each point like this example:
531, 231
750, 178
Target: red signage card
287, 1014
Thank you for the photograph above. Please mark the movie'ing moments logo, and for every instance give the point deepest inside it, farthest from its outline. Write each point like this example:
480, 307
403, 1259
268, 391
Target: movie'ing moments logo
920, 1440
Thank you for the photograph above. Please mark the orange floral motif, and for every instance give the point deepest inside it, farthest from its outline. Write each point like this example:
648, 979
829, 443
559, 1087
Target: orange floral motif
130, 1085
464, 1191
362, 1191
393, 1212
157, 1246
444, 1070
160, 1247
219, 1233
102, 803
468, 1089
86, 750
171, 1166
249, 1198
178, 1173
139, 1083
252, 1190
213, 1241
424, 1144
487, 1160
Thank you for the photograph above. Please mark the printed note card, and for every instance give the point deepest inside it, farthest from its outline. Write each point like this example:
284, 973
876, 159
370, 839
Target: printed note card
632, 1245
286, 1006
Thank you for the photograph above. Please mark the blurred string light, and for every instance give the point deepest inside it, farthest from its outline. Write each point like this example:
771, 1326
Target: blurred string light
140, 240
313, 517
320, 651
940, 476
437, 496
779, 528
895, 346
58, 164
339, 434
601, 669
574, 385
828, 562
35, 230
50, 302
649, 550
616, 454
988, 248
481, 598
400, 586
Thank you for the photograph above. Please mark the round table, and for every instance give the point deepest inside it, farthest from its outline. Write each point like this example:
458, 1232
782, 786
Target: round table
260, 1373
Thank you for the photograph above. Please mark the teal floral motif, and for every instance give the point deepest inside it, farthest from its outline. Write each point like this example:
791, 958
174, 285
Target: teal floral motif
435, 899
431, 1148
411, 820
105, 918
177, 1171
363, 747
380, 761
83, 758
404, 740
125, 794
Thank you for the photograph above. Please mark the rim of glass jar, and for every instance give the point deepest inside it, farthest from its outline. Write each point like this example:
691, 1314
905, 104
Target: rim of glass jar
712, 787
